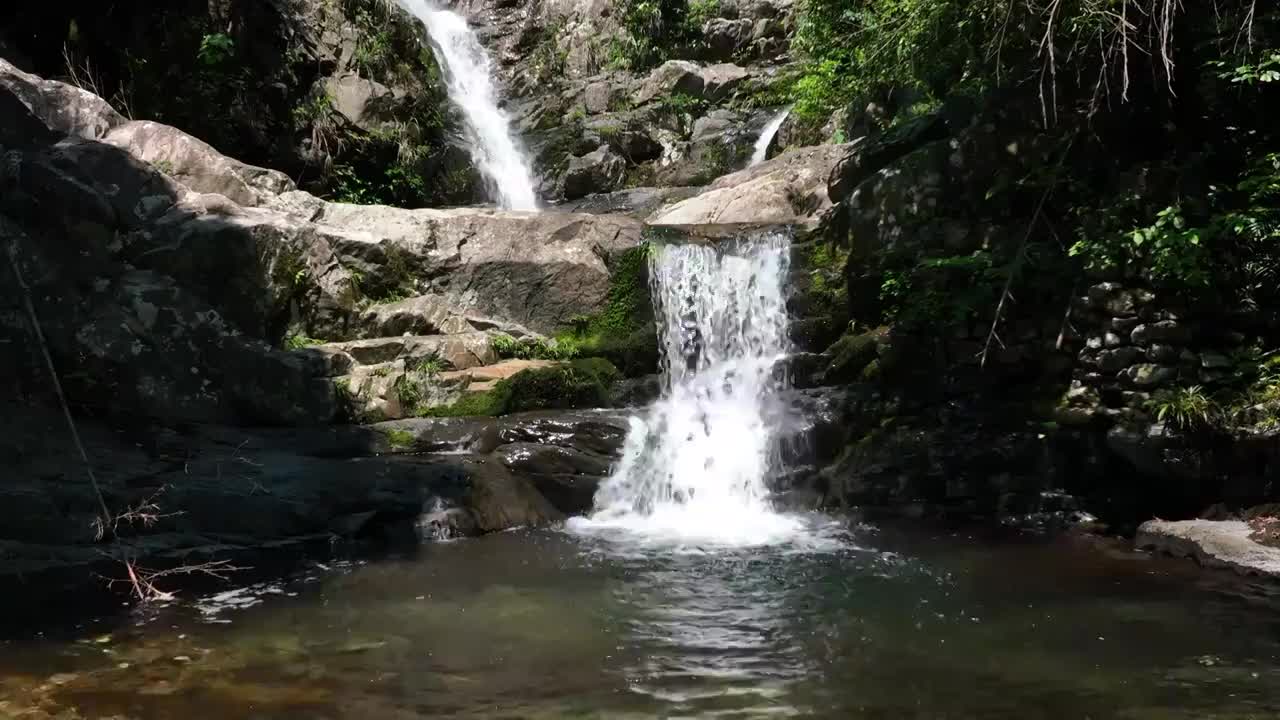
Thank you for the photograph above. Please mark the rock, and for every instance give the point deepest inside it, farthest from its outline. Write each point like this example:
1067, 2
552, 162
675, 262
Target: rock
1164, 354
1148, 375
64, 109
354, 97
727, 38
567, 478
789, 188
456, 352
599, 171
721, 80
1112, 340
1215, 361
1111, 361
596, 97
1169, 331
197, 165
670, 78
1211, 543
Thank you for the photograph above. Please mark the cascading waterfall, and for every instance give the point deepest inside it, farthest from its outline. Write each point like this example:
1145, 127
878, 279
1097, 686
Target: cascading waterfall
761, 151
469, 74
694, 467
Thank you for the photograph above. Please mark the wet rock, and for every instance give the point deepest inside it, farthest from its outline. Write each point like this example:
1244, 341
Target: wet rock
727, 38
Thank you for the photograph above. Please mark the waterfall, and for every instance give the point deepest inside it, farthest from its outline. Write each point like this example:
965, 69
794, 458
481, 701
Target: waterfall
763, 142
469, 74
694, 466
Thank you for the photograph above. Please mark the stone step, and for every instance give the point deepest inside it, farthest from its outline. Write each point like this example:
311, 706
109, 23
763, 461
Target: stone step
486, 377
460, 351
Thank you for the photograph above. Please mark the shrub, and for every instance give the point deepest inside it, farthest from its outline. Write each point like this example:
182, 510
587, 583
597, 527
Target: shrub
1184, 408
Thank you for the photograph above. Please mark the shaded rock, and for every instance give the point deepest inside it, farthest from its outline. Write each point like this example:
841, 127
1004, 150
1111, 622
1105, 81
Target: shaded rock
727, 38
1111, 361
1168, 331
64, 109
1148, 375
601, 170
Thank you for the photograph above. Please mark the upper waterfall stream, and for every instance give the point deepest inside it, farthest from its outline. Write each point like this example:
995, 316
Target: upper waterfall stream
470, 76
760, 152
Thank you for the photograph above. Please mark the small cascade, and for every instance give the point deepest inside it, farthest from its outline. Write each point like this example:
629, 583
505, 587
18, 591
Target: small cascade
694, 467
469, 73
761, 151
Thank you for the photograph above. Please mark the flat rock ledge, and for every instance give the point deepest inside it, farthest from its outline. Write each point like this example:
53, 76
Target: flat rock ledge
1212, 543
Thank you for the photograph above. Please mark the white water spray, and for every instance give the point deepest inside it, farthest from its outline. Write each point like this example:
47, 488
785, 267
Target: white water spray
469, 73
694, 468
761, 152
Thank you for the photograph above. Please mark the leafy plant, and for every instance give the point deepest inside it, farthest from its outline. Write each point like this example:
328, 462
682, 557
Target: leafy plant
215, 49
1185, 408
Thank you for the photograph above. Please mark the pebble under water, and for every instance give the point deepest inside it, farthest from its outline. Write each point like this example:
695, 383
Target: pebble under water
545, 624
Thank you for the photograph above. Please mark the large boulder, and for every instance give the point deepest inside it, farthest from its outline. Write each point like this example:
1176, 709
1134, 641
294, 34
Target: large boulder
790, 188
65, 109
195, 164
598, 171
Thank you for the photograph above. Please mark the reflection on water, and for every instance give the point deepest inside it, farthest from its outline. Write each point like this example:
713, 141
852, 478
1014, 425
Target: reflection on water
548, 625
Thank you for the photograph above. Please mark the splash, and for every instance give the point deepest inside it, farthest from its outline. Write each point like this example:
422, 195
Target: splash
694, 466
469, 74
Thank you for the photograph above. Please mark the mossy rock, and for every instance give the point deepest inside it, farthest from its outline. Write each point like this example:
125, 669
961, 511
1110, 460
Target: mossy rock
853, 355
579, 384
583, 383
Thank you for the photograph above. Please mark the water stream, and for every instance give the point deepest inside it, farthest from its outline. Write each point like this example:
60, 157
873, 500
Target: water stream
694, 465
761, 151
470, 76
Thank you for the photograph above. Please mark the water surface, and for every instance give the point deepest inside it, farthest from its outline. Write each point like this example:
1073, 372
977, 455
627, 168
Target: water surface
551, 625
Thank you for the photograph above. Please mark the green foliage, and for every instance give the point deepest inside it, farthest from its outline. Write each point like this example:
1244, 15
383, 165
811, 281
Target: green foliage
700, 11
1187, 408
680, 104
490, 404
652, 30
299, 341
534, 348
216, 49
547, 61
1168, 251
944, 290
1265, 70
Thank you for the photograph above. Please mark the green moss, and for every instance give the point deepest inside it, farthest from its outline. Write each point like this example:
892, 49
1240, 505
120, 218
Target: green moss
399, 439
583, 383
491, 403
852, 355
578, 384
623, 332
299, 341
